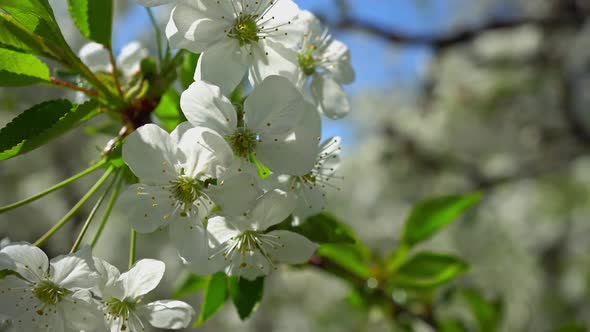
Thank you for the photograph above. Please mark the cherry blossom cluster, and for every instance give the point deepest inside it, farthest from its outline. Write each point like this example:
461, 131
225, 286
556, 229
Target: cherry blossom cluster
78, 292
222, 181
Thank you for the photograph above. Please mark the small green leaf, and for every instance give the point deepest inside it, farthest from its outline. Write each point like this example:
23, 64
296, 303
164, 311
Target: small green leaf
428, 270
191, 284
17, 69
168, 110
246, 294
571, 327
352, 257
41, 123
430, 216
487, 314
214, 297
322, 228
94, 19
187, 70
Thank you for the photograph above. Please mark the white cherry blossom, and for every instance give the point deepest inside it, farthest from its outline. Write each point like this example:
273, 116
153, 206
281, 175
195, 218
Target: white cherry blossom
324, 66
43, 295
275, 125
122, 295
180, 178
245, 248
310, 188
236, 37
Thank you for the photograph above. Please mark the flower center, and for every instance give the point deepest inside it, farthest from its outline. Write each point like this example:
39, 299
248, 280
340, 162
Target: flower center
120, 309
245, 30
307, 61
186, 189
243, 142
48, 292
246, 243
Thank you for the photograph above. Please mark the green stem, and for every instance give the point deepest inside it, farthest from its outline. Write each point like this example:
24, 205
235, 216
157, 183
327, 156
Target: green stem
108, 210
158, 34
76, 207
55, 187
115, 71
91, 216
132, 244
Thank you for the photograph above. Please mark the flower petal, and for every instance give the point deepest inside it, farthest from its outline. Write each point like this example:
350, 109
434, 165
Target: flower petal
310, 201
80, 313
204, 105
31, 262
284, 14
147, 208
198, 28
293, 153
129, 60
329, 97
142, 278
339, 67
151, 154
14, 296
108, 275
274, 107
250, 266
96, 57
236, 194
167, 314
191, 240
74, 271
271, 58
271, 209
224, 64
207, 153
221, 230
296, 249
182, 128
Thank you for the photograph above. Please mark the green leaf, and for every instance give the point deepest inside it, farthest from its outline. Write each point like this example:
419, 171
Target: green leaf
487, 314
353, 257
187, 70
322, 228
191, 284
432, 215
13, 37
214, 297
246, 294
94, 19
18, 69
35, 16
428, 270
571, 327
168, 110
41, 123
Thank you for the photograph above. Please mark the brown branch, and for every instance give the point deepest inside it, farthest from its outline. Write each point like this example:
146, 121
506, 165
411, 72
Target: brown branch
459, 37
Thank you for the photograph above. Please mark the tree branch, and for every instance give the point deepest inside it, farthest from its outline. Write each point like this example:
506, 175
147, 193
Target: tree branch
458, 37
